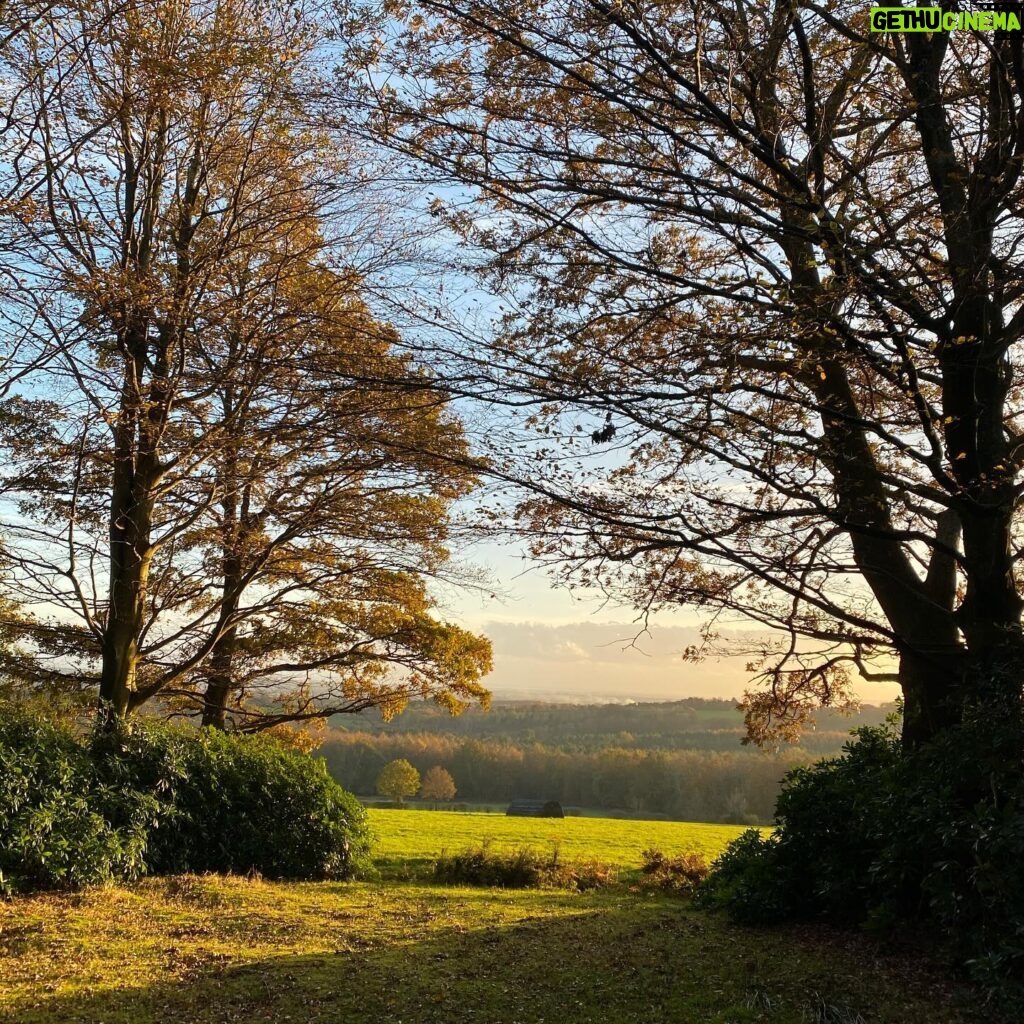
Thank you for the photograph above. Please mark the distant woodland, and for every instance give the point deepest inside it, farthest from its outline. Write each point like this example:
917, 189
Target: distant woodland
680, 759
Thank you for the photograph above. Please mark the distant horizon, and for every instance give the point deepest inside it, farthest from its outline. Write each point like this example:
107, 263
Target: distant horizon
597, 700
610, 660
574, 645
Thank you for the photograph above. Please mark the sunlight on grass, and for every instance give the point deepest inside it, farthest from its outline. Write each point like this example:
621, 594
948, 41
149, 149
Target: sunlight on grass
421, 836
209, 950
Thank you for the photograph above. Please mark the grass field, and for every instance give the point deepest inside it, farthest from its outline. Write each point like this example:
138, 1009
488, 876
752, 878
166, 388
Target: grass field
216, 950
412, 840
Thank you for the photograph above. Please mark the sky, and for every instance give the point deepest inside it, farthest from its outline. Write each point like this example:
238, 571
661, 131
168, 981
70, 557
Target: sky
550, 644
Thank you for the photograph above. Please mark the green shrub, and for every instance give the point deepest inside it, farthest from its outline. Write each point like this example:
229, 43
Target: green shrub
60, 826
158, 799
833, 820
237, 803
955, 852
881, 837
748, 881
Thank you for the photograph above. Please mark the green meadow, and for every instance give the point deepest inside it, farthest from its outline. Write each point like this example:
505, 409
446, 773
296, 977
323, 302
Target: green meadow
413, 839
219, 950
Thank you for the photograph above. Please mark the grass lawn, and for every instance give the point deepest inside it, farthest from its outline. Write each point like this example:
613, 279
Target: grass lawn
209, 950
411, 840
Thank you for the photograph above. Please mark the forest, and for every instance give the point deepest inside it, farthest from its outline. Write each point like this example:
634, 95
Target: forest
692, 724
681, 760
684, 785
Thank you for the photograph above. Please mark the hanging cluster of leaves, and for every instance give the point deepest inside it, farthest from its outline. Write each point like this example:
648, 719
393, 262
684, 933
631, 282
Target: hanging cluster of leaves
780, 255
225, 486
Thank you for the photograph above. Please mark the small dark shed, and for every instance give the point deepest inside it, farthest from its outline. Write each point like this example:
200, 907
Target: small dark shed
535, 809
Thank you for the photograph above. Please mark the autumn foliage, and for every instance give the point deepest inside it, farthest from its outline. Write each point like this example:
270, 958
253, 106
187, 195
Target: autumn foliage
762, 310
227, 483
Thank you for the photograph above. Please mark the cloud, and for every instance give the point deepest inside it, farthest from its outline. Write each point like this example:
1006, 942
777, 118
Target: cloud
605, 661
612, 643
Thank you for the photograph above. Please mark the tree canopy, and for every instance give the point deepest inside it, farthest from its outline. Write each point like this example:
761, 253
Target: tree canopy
225, 484
762, 299
397, 780
438, 785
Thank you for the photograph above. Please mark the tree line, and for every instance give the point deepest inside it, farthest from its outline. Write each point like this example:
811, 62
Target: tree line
691, 724
686, 785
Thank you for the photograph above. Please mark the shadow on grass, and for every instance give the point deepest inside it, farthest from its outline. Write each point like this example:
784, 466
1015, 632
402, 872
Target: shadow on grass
623, 960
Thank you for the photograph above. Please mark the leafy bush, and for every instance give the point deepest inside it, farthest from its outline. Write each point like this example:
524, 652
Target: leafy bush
834, 819
524, 868
748, 881
237, 803
682, 874
955, 852
934, 837
822, 859
60, 826
157, 799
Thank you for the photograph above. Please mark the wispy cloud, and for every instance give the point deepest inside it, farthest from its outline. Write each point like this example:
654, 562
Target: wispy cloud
605, 660
616, 661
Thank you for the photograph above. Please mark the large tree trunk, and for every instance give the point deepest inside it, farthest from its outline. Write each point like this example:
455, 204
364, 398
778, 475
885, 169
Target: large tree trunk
975, 382
950, 656
142, 417
919, 611
131, 510
932, 687
942, 682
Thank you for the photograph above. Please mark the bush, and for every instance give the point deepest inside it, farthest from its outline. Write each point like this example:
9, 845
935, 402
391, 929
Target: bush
748, 881
821, 861
157, 799
682, 874
834, 819
61, 827
524, 868
521, 869
237, 803
935, 837
955, 852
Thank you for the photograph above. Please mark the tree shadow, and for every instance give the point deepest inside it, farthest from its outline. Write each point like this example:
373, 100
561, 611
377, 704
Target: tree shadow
617, 960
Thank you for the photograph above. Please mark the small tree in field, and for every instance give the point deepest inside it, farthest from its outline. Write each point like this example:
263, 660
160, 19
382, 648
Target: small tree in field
438, 785
397, 780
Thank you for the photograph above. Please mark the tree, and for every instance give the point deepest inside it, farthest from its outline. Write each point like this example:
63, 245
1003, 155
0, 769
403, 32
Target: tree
225, 486
766, 260
437, 785
329, 497
397, 780
25, 66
